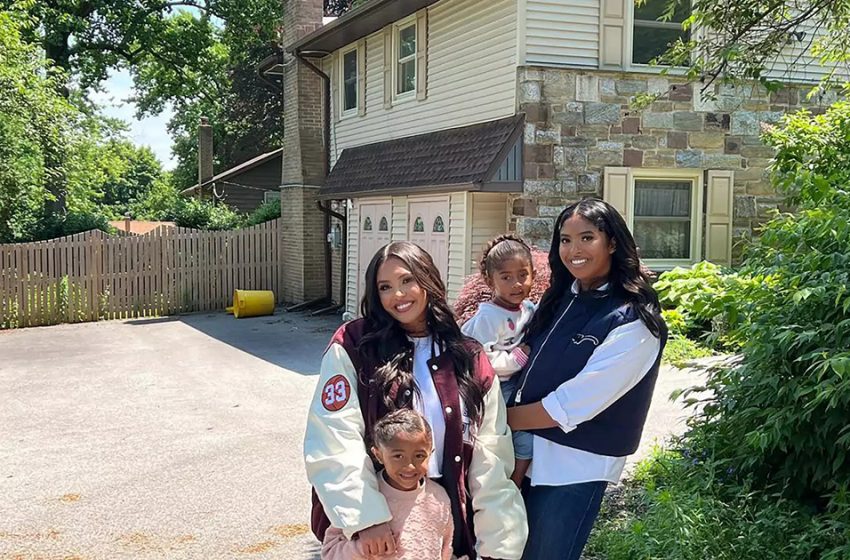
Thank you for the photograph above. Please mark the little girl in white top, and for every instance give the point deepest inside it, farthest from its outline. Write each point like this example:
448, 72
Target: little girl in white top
499, 325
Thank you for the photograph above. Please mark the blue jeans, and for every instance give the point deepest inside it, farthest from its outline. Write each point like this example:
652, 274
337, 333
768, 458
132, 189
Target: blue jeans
523, 441
560, 519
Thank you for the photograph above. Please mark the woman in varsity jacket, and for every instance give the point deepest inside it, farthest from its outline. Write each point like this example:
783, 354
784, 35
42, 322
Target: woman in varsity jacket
408, 351
596, 345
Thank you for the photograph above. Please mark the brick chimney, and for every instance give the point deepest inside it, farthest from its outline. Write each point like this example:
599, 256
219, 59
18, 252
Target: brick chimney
205, 150
303, 162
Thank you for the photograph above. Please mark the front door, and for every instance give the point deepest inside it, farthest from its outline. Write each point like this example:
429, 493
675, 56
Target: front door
429, 228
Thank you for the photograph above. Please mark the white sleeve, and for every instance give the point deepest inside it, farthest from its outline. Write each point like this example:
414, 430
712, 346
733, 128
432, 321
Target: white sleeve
338, 464
617, 365
500, 518
484, 327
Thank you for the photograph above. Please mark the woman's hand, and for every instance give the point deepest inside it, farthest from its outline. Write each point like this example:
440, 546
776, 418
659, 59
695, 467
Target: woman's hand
377, 540
530, 417
526, 349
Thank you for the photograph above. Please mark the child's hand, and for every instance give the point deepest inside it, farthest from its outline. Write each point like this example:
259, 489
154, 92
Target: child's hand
525, 349
377, 540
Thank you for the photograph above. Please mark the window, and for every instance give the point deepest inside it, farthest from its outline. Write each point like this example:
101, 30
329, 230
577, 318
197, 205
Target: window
663, 218
349, 101
418, 225
664, 211
651, 37
269, 196
367, 224
438, 225
405, 55
384, 224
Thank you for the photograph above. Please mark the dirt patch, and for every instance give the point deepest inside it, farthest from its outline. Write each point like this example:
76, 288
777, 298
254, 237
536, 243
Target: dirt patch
70, 498
257, 548
288, 531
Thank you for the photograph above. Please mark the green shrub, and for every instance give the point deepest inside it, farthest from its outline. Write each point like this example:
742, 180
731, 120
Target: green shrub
265, 212
676, 507
204, 214
680, 351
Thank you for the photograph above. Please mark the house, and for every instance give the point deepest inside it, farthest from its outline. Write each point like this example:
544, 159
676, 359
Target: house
245, 186
449, 121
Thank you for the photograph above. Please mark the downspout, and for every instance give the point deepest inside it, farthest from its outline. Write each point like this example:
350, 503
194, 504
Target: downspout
343, 237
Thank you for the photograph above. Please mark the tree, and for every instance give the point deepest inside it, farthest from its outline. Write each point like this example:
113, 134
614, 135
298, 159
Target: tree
738, 40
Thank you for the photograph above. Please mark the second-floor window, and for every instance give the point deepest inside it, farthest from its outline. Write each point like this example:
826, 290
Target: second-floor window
350, 102
405, 41
651, 37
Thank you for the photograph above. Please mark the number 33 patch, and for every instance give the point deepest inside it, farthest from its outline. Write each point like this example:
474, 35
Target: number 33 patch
335, 393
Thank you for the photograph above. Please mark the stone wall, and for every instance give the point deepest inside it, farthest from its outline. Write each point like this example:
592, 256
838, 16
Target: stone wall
578, 123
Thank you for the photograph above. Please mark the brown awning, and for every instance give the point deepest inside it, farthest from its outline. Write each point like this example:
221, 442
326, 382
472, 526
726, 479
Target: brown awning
356, 24
458, 159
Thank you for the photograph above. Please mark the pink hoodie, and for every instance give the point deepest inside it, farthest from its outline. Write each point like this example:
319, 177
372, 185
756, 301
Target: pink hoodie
422, 525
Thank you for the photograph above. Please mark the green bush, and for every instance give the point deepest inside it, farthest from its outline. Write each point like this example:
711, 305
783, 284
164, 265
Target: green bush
204, 214
265, 212
677, 507
765, 469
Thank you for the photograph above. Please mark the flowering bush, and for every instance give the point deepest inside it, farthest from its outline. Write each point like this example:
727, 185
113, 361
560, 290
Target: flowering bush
475, 290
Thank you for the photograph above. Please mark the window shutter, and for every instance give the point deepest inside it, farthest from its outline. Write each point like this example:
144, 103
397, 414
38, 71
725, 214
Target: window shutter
718, 217
361, 77
421, 54
613, 32
616, 191
338, 76
388, 67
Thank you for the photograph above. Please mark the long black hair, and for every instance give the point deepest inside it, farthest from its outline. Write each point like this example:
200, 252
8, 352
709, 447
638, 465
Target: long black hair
387, 344
627, 278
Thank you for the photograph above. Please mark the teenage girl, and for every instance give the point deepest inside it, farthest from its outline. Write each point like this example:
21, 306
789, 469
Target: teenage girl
596, 344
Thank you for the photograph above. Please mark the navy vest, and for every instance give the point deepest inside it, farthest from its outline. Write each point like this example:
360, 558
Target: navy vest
560, 352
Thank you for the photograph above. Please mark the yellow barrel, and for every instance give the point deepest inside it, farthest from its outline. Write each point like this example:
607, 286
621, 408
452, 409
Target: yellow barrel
252, 303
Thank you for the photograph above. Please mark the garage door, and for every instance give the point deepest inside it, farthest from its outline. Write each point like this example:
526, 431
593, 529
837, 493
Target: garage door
374, 234
428, 227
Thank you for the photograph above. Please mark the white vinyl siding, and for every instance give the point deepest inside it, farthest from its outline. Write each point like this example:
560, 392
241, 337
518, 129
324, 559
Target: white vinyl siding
352, 257
796, 64
400, 216
471, 76
457, 244
489, 218
562, 32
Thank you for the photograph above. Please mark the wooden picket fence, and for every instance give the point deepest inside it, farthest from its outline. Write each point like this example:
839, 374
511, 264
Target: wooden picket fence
93, 276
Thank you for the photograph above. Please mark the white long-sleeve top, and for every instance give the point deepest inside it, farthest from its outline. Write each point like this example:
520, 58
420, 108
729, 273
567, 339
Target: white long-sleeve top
615, 367
500, 330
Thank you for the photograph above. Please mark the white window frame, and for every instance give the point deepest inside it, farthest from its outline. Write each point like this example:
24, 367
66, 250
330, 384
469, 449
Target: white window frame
269, 196
640, 66
398, 27
343, 112
697, 196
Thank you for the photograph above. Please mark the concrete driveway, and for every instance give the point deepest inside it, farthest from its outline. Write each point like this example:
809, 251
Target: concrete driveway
169, 438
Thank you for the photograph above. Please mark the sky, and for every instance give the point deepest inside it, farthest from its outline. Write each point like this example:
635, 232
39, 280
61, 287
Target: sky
150, 131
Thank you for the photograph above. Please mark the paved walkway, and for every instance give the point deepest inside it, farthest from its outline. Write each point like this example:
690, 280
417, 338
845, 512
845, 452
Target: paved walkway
174, 438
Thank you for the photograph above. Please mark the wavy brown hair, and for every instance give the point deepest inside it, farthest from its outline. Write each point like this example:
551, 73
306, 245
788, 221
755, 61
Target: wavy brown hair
386, 343
500, 249
627, 278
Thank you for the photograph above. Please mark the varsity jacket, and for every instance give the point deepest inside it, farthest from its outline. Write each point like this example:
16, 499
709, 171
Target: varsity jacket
476, 467
558, 354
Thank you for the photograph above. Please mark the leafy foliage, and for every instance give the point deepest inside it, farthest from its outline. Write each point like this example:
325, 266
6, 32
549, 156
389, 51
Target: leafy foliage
204, 214
739, 40
267, 211
678, 507
475, 289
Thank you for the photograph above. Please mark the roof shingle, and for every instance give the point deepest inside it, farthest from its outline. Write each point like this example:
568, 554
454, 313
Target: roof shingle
465, 157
